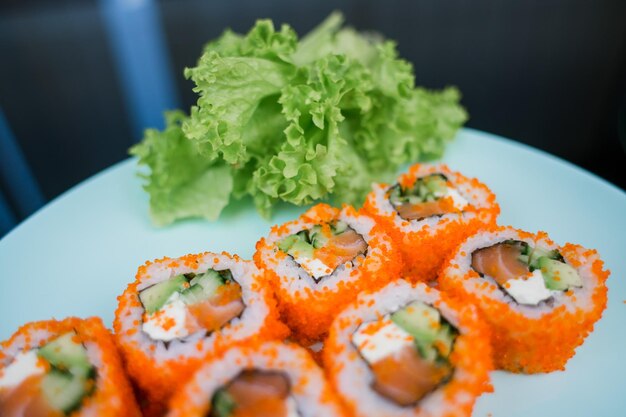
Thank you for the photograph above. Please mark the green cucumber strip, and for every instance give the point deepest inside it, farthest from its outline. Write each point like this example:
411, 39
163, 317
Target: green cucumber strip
65, 391
66, 354
222, 404
436, 185
286, 243
154, 297
416, 319
340, 227
425, 189
205, 287
202, 277
426, 350
558, 275
302, 249
318, 240
539, 252
433, 343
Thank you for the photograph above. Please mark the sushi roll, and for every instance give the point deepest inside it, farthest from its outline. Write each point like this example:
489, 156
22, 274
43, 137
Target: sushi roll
180, 311
61, 368
319, 262
270, 380
541, 300
428, 212
408, 350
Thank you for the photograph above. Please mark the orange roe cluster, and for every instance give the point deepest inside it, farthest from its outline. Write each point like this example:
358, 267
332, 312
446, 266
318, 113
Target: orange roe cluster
539, 344
423, 251
157, 380
471, 358
309, 312
190, 400
113, 395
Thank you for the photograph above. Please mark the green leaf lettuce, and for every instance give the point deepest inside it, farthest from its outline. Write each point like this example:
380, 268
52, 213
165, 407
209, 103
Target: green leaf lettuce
279, 119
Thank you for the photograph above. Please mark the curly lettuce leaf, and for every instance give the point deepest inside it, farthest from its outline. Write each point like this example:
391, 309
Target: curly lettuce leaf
279, 119
182, 183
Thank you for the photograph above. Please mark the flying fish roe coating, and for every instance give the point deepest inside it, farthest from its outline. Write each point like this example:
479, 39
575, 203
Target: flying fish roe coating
113, 394
158, 368
352, 376
308, 308
530, 339
308, 386
424, 244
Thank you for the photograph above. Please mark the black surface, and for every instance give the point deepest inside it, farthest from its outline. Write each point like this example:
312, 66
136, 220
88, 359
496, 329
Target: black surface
60, 94
550, 74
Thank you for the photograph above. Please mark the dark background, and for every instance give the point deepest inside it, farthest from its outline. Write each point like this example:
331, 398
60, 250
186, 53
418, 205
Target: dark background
548, 73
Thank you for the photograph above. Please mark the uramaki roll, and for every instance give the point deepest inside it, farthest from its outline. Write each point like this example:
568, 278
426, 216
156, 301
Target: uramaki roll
408, 350
428, 212
58, 368
541, 300
319, 262
273, 379
179, 311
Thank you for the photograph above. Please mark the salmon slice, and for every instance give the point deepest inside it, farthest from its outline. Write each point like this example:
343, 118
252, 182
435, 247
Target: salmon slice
405, 377
500, 262
26, 400
259, 394
421, 211
341, 248
215, 312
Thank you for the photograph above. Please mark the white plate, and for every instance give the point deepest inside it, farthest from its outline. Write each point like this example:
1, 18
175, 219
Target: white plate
77, 254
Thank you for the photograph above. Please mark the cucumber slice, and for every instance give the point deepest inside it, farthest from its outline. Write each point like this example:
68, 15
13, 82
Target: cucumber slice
301, 249
154, 297
66, 354
222, 404
417, 319
445, 339
204, 287
340, 227
204, 279
318, 240
436, 185
433, 342
538, 252
415, 200
426, 350
286, 243
558, 275
65, 391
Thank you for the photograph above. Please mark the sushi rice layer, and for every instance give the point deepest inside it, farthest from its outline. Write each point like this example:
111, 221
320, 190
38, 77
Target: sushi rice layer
353, 378
308, 387
309, 307
112, 394
530, 338
159, 367
425, 243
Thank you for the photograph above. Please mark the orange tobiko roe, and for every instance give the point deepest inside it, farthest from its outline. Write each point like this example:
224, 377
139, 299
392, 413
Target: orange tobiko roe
158, 380
310, 312
524, 344
191, 400
423, 251
113, 395
471, 357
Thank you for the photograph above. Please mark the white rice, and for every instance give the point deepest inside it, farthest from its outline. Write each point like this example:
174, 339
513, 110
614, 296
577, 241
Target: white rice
462, 263
40, 337
355, 378
246, 325
477, 197
296, 279
291, 360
